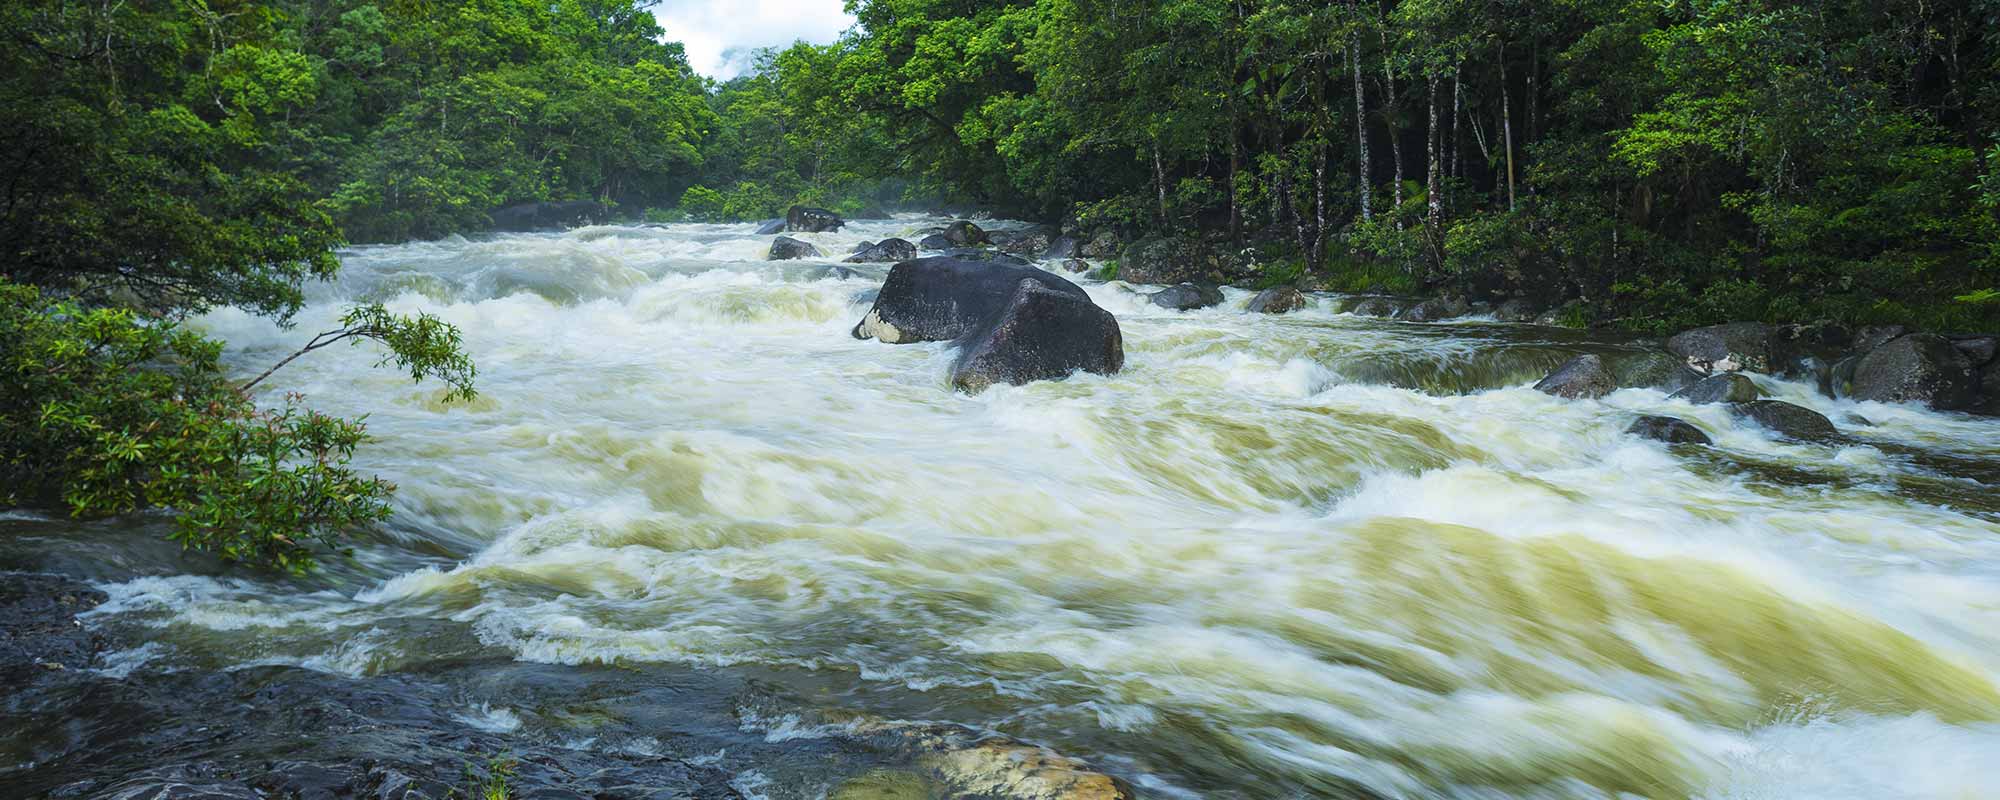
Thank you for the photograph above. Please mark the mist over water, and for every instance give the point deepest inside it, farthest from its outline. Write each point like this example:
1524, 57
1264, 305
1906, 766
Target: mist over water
1301, 555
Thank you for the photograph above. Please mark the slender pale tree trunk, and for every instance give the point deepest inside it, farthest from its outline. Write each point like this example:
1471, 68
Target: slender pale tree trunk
1360, 127
1507, 124
1457, 105
1389, 114
1434, 166
1160, 181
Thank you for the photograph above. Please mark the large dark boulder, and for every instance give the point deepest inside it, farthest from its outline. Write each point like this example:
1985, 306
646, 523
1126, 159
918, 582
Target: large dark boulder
1752, 346
803, 219
785, 248
1187, 297
1277, 300
1728, 387
1582, 376
1667, 429
768, 228
1916, 368
964, 234
1653, 370
1435, 309
885, 251
936, 241
1179, 259
1794, 421
941, 298
1041, 334
549, 216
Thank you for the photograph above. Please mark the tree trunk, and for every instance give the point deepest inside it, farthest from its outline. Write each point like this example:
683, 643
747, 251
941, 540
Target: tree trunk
1457, 104
1434, 167
1235, 166
1160, 182
1507, 124
1317, 257
1395, 139
1360, 127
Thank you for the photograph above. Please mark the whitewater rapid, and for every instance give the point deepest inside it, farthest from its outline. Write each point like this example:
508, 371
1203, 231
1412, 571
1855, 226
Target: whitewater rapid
1302, 555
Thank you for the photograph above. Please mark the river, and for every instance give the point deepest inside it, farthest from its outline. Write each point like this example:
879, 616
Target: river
1277, 556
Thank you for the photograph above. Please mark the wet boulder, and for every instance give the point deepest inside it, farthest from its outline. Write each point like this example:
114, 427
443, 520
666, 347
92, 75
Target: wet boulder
1869, 337
1061, 248
837, 272
1916, 368
1515, 309
1187, 297
983, 254
1028, 242
1979, 349
1435, 309
1731, 347
1579, 377
1667, 429
941, 298
1277, 300
1103, 245
785, 248
549, 216
1989, 391
1653, 370
1179, 259
1041, 334
885, 251
1786, 419
39, 632
804, 219
935, 241
768, 228
1728, 387
963, 233
1373, 307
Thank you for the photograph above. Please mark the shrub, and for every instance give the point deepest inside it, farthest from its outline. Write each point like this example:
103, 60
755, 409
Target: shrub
104, 411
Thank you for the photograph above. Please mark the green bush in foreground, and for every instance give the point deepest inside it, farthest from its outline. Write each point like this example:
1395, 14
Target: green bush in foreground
104, 411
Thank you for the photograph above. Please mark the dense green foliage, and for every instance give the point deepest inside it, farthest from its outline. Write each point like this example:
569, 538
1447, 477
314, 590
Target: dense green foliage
1669, 163
164, 159
104, 411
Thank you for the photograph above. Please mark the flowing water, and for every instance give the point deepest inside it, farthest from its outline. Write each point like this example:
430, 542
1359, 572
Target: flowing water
1277, 556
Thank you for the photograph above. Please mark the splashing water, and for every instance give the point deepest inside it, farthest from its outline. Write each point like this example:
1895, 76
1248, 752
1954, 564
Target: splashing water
1299, 555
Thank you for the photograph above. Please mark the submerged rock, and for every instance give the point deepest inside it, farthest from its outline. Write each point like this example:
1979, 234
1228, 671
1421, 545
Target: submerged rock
1435, 309
1728, 387
1580, 377
785, 248
1797, 422
547, 216
887, 250
1373, 307
805, 219
1187, 297
1752, 346
1667, 429
768, 228
39, 631
1277, 300
1916, 368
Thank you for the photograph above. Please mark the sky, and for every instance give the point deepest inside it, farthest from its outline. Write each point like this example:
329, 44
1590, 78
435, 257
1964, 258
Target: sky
720, 34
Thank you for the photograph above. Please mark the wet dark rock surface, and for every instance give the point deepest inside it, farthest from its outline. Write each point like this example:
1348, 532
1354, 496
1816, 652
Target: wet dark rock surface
1579, 377
1187, 297
1667, 429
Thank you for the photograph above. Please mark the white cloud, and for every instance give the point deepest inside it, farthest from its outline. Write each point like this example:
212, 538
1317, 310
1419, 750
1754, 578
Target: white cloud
720, 34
